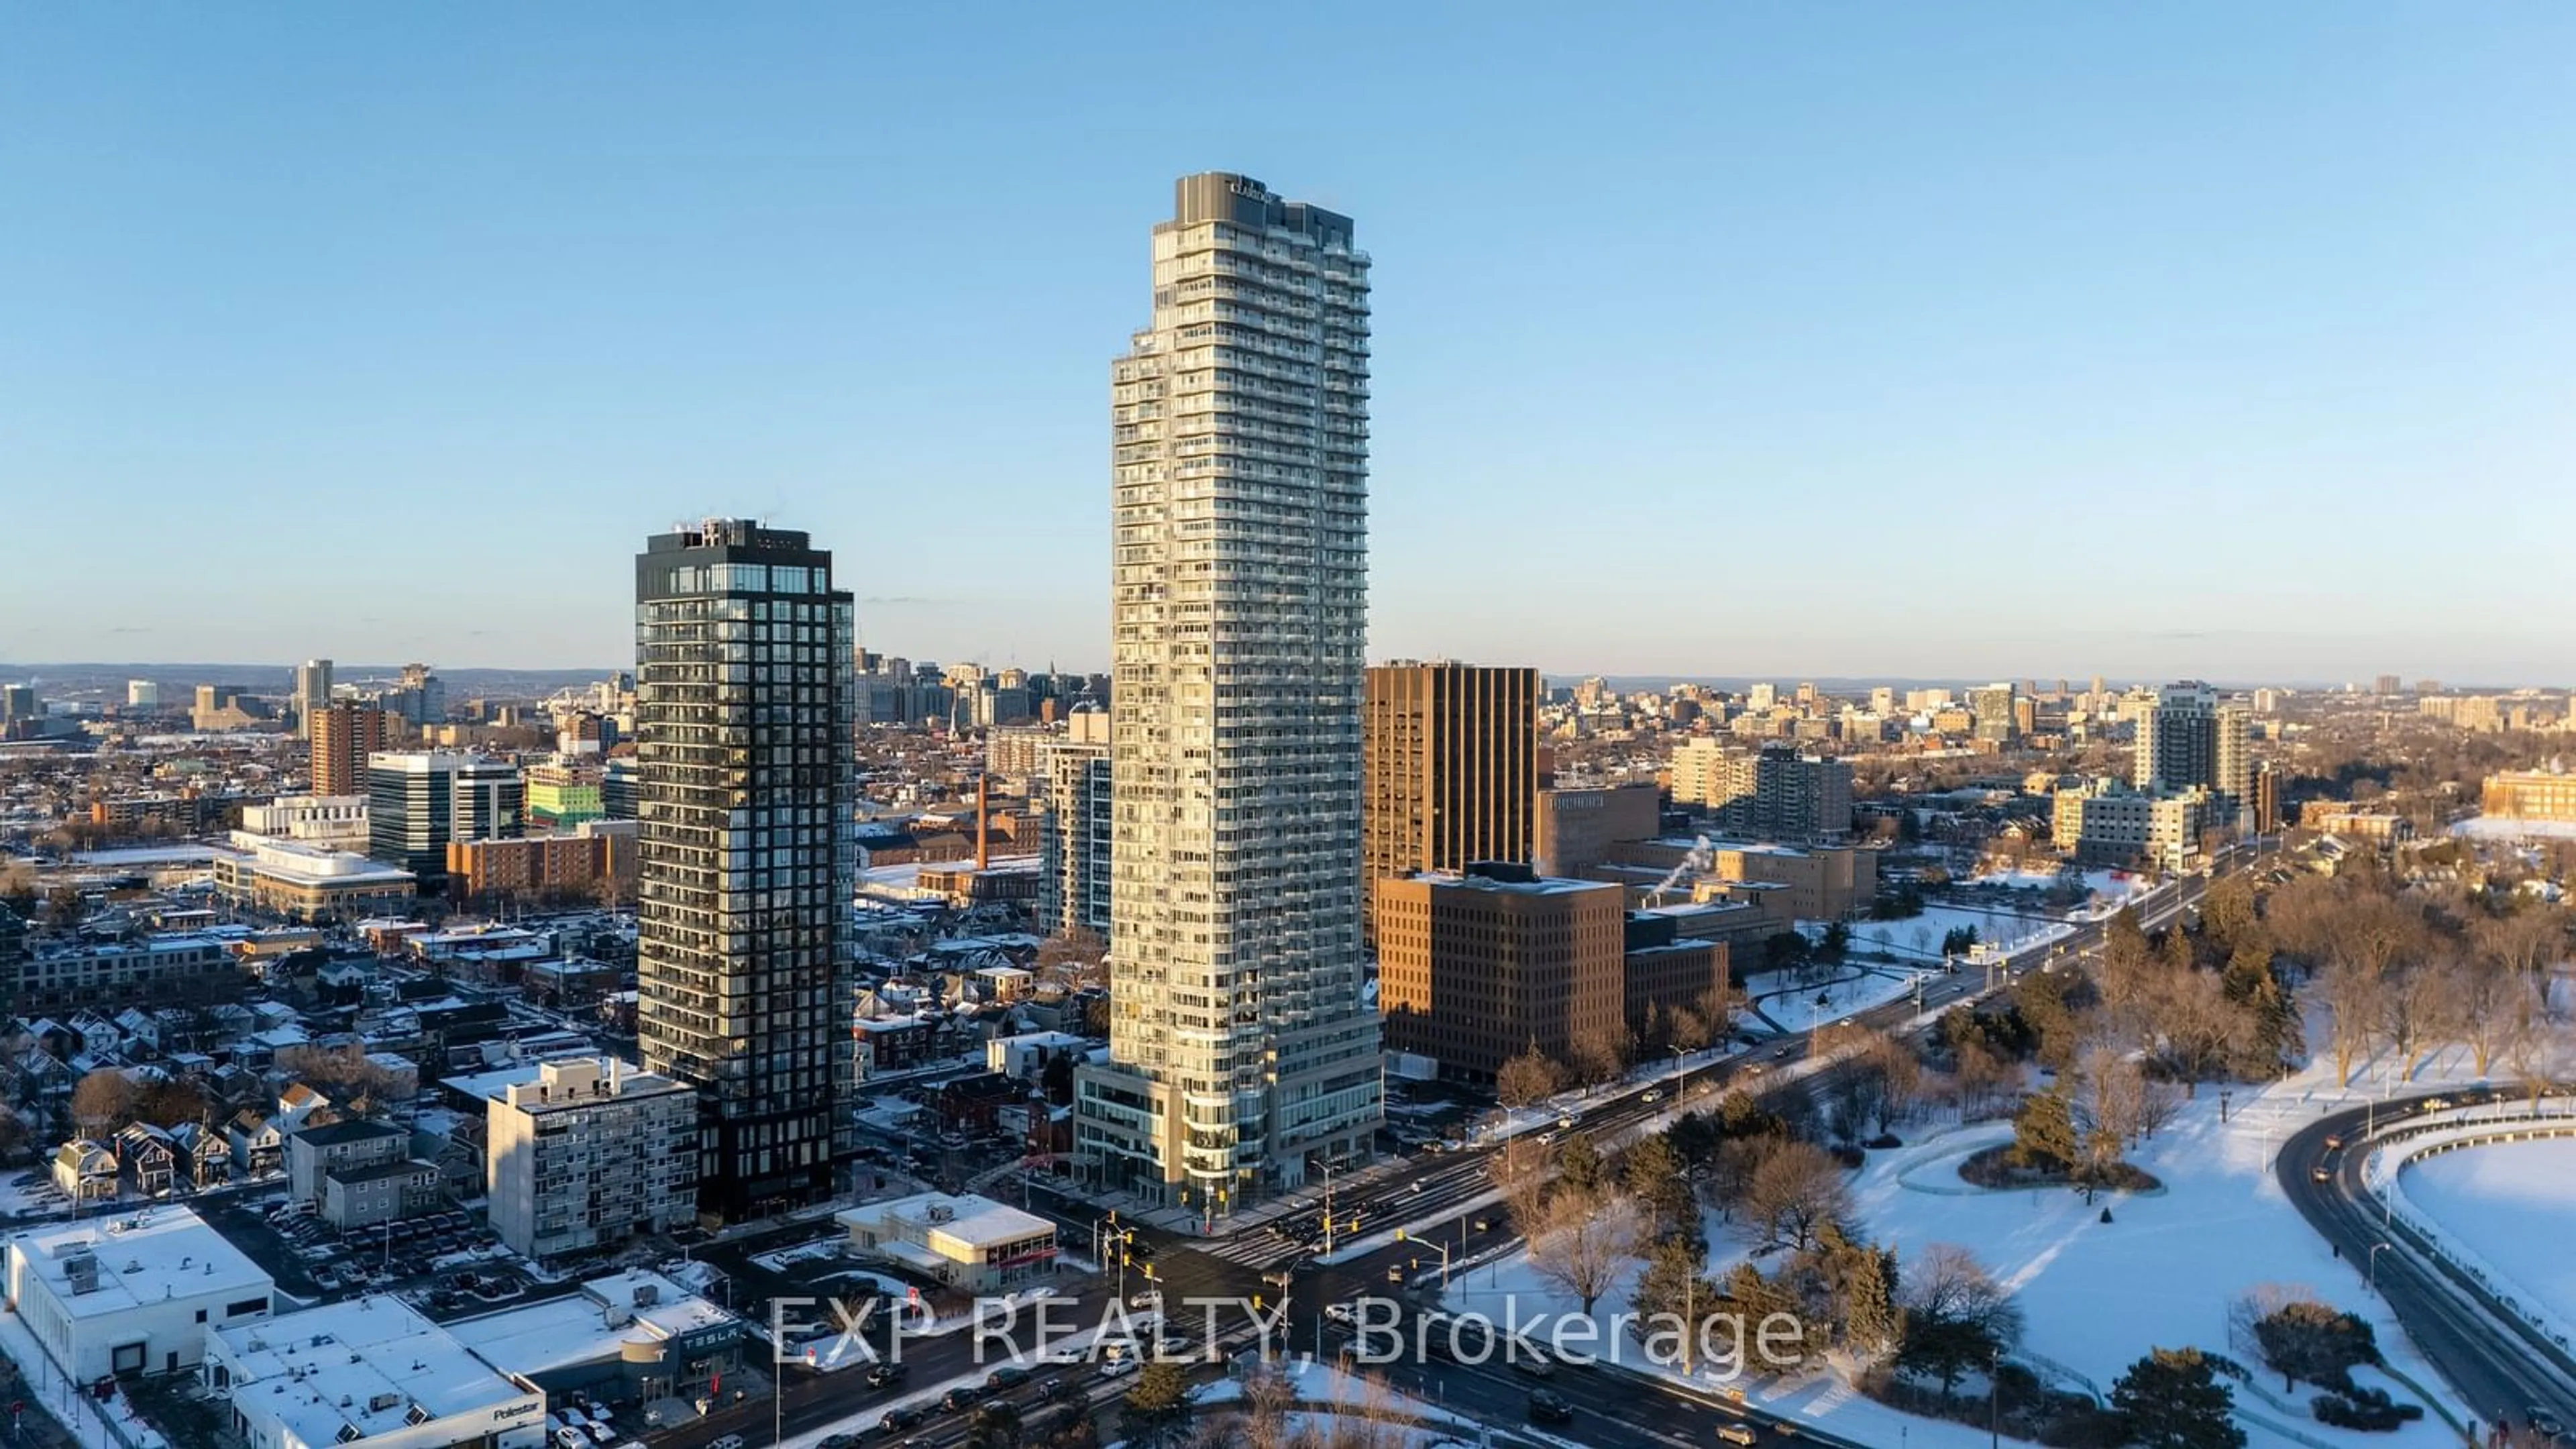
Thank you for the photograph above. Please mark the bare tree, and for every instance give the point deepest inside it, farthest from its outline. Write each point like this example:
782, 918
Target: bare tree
102, 1102
2526, 944
1528, 1079
1687, 1029
2352, 997
1956, 1315
1588, 1240
2416, 1013
1600, 1055
2487, 998
2530, 1049
2158, 1104
2198, 1029
1793, 1190
2108, 1106
1521, 1169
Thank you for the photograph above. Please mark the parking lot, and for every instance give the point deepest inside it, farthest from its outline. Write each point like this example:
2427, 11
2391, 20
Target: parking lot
313, 1261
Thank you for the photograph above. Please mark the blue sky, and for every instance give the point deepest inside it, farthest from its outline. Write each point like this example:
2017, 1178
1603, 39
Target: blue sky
1711, 339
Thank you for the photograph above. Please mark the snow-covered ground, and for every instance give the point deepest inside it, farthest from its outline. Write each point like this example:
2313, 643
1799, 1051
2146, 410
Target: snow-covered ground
2097, 1296
1918, 938
2509, 1203
2164, 1271
2488, 827
1796, 1007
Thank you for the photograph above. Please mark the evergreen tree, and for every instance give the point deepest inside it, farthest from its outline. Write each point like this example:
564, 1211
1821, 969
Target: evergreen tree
2172, 1399
2124, 942
1872, 1323
2044, 1132
1652, 1173
2177, 949
1672, 1283
1156, 1412
1579, 1165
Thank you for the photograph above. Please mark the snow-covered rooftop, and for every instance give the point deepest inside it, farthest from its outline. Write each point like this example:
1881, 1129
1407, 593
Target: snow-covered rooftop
372, 1364
588, 1326
143, 1257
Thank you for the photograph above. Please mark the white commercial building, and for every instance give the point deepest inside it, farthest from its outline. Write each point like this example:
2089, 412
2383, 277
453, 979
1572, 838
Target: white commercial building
338, 822
586, 1153
370, 1370
967, 1241
309, 881
135, 1293
633, 1337
1241, 1049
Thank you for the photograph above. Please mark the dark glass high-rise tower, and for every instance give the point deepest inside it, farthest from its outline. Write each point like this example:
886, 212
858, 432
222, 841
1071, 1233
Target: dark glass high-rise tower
745, 781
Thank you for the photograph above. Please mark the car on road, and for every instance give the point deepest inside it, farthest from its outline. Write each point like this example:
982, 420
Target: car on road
1059, 1389
2334, 1140
837, 1441
1342, 1312
1147, 1299
1654, 1094
885, 1375
959, 1398
1006, 1377
1117, 1364
1737, 1434
1784, 1048
1417, 1185
1549, 1408
2543, 1422
2320, 1173
729, 1441
897, 1420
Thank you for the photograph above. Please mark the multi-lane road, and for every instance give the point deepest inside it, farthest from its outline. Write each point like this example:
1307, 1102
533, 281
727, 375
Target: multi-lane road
1445, 1202
2497, 1364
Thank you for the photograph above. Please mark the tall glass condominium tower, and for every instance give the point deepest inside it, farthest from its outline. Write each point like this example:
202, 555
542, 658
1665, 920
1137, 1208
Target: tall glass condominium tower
746, 854
1241, 1051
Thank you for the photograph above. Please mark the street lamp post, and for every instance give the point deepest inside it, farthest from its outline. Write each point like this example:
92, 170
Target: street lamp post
2373, 1281
1328, 1208
1994, 1414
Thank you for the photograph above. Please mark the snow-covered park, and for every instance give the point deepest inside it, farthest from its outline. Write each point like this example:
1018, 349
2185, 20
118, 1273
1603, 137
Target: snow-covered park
2511, 1203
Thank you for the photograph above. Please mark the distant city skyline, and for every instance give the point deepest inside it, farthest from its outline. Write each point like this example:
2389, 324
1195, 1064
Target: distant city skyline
1882, 341
245, 674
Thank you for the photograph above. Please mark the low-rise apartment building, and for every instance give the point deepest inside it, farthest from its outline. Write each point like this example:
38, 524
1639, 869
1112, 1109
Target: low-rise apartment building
163, 969
586, 1153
